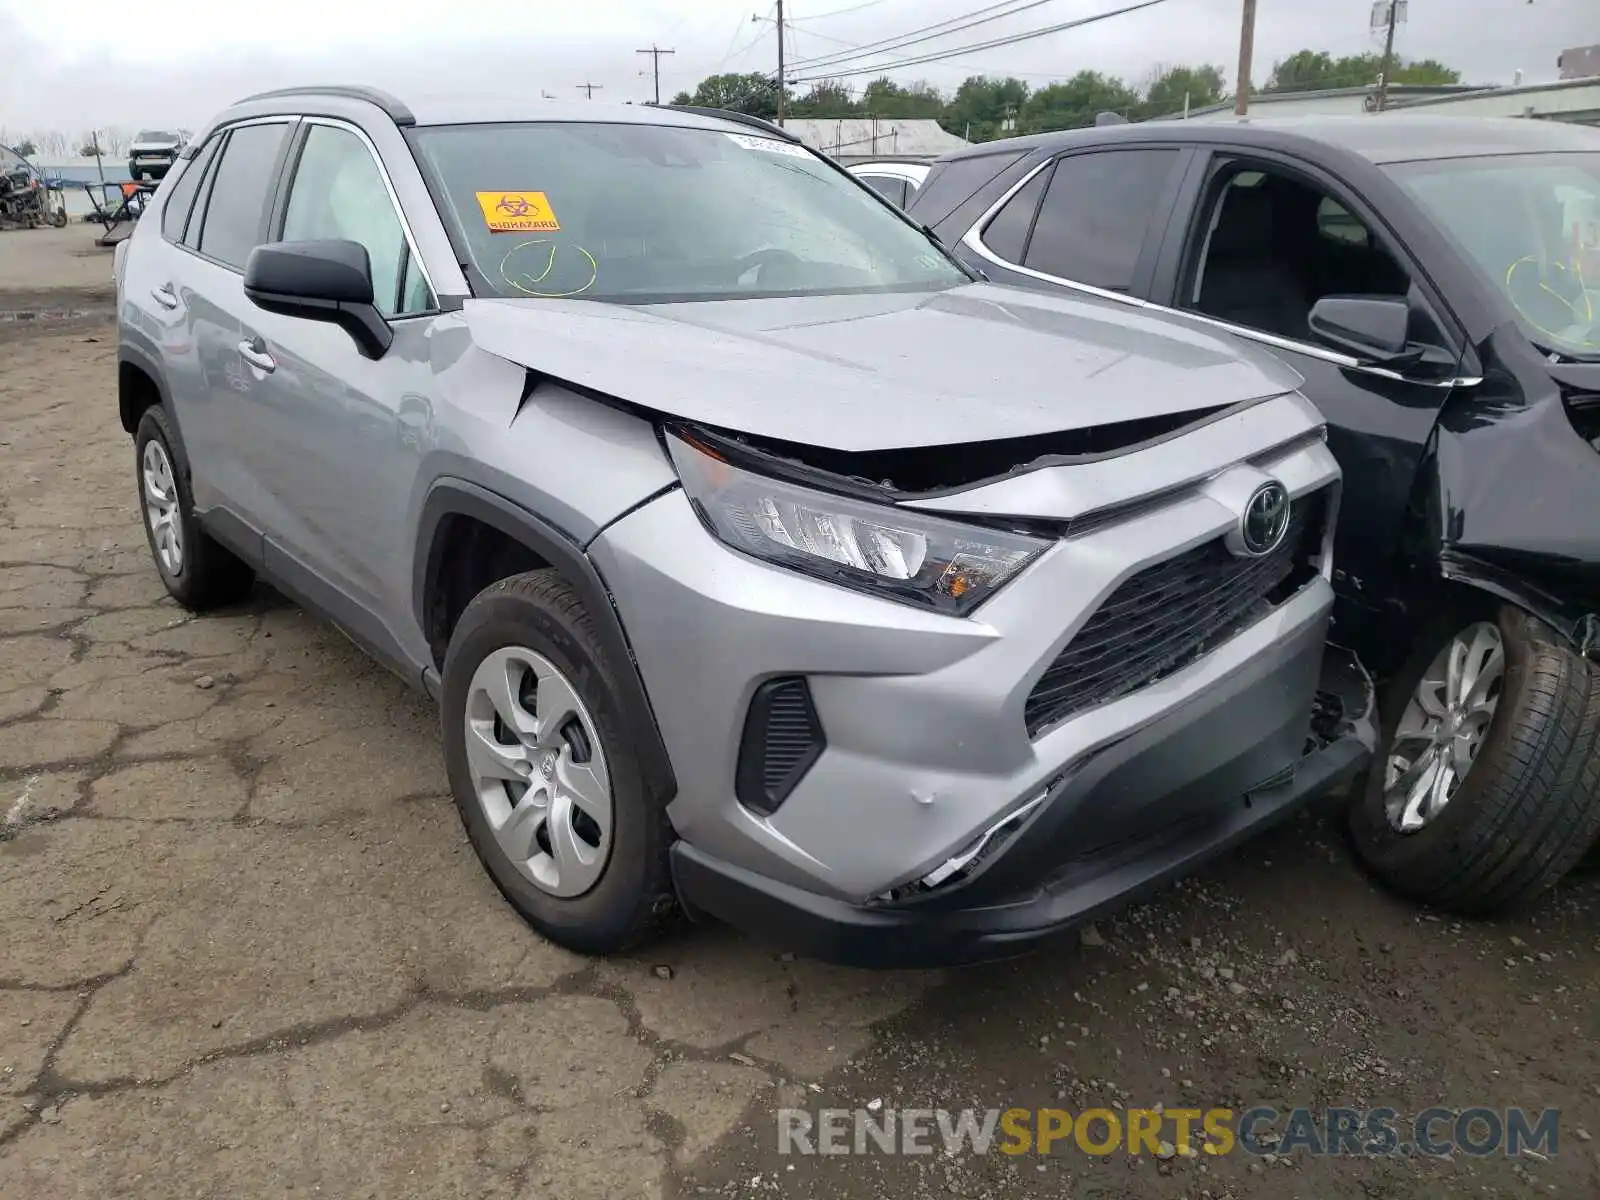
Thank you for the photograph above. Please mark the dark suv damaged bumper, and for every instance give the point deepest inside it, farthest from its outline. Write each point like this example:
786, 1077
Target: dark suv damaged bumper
1194, 778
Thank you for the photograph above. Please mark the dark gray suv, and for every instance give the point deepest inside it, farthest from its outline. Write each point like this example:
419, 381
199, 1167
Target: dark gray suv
763, 560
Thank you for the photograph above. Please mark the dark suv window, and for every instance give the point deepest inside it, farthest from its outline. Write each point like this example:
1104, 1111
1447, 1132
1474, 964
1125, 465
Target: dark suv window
1096, 213
237, 205
951, 184
175, 213
1274, 245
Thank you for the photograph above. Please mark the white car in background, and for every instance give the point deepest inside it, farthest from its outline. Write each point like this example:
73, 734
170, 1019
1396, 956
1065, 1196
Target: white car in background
895, 181
153, 151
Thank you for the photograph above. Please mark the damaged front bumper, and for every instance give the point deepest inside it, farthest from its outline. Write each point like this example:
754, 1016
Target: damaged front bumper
1196, 774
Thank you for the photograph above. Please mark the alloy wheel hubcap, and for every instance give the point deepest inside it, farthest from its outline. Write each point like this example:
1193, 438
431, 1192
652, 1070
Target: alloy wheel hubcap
161, 506
539, 771
1443, 727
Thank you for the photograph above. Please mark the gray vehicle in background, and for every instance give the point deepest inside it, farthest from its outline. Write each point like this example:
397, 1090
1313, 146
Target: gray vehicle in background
764, 561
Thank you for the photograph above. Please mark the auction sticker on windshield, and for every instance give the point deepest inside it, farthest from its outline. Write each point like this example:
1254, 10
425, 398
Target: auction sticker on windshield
517, 212
770, 145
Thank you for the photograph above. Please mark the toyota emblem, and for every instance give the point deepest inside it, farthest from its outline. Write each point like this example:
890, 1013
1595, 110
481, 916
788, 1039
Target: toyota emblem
1265, 520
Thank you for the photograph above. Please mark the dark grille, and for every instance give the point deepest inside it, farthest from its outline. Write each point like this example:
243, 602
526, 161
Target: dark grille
782, 738
1170, 614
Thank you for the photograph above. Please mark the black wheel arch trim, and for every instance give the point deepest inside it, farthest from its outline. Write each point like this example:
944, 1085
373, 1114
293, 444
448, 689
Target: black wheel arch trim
457, 497
131, 352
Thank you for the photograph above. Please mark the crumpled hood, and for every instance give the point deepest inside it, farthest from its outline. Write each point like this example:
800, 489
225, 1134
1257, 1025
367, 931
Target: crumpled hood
857, 373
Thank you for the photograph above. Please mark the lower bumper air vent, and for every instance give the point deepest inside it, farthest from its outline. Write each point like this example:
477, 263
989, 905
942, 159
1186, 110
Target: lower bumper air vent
782, 739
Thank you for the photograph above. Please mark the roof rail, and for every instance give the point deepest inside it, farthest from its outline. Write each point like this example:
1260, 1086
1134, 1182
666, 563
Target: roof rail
396, 111
738, 118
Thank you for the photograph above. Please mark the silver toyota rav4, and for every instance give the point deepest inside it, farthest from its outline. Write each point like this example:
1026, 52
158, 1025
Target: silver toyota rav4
765, 563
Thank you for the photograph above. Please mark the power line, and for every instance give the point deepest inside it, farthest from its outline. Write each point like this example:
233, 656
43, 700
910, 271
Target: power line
655, 62
916, 36
971, 66
925, 32
588, 88
839, 12
941, 55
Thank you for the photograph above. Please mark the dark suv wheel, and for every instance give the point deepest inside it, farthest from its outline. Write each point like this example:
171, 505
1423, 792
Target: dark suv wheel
546, 782
199, 572
1486, 790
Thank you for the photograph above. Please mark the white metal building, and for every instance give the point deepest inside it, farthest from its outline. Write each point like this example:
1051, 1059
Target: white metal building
861, 139
1574, 100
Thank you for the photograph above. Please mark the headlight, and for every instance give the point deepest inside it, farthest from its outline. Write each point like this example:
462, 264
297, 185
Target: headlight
893, 552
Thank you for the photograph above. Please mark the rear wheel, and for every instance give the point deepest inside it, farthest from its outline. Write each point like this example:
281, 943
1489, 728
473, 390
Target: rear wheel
1487, 788
199, 572
544, 776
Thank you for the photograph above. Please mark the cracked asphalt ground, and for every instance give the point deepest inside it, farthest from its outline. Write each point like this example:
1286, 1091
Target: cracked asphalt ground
246, 951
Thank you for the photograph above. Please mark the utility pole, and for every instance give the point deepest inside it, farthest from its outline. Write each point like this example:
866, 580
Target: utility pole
655, 62
782, 82
1391, 19
588, 89
1247, 53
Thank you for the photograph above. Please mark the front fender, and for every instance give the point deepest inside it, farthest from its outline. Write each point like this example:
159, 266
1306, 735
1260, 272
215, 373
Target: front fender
1507, 494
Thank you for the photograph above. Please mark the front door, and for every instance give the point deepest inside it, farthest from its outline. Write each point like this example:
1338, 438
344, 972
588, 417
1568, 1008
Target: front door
340, 447
1266, 241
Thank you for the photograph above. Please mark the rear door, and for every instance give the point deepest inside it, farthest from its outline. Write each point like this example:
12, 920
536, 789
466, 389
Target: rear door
1259, 238
216, 403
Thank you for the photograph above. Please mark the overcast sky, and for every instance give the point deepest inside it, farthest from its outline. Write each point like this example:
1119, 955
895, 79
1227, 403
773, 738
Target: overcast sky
73, 66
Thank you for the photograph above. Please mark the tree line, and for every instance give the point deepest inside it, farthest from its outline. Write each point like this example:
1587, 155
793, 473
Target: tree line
985, 107
52, 144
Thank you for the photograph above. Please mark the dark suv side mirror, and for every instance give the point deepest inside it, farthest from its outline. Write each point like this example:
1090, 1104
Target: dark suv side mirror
1372, 328
321, 281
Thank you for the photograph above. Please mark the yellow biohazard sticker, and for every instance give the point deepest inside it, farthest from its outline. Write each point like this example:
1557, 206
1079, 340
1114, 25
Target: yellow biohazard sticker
517, 212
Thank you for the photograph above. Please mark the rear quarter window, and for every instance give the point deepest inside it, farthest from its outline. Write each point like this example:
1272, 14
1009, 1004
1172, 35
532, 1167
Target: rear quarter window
952, 183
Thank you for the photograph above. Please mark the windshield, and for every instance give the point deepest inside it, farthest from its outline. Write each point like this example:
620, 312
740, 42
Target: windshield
1531, 223
155, 135
651, 213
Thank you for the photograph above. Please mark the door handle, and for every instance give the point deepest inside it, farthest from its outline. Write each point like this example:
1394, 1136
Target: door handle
164, 296
257, 357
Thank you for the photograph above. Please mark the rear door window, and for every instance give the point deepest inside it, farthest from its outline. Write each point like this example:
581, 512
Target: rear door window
1096, 214
235, 213
1007, 234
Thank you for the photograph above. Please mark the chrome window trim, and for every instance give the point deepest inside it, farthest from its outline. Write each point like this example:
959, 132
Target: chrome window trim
906, 171
394, 200
973, 241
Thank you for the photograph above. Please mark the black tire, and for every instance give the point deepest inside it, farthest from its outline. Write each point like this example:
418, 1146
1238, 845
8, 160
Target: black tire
209, 575
633, 901
1529, 807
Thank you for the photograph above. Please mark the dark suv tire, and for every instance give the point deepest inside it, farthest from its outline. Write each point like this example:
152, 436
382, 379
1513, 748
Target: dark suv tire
1527, 806
200, 573
543, 773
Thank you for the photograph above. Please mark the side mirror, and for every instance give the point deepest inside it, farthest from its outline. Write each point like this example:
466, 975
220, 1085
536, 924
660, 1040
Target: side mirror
319, 281
1372, 328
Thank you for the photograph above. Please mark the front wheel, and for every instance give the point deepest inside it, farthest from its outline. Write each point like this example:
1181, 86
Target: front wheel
1486, 790
544, 774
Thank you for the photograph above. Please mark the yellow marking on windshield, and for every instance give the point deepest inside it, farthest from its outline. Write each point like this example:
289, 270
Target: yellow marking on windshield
529, 284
